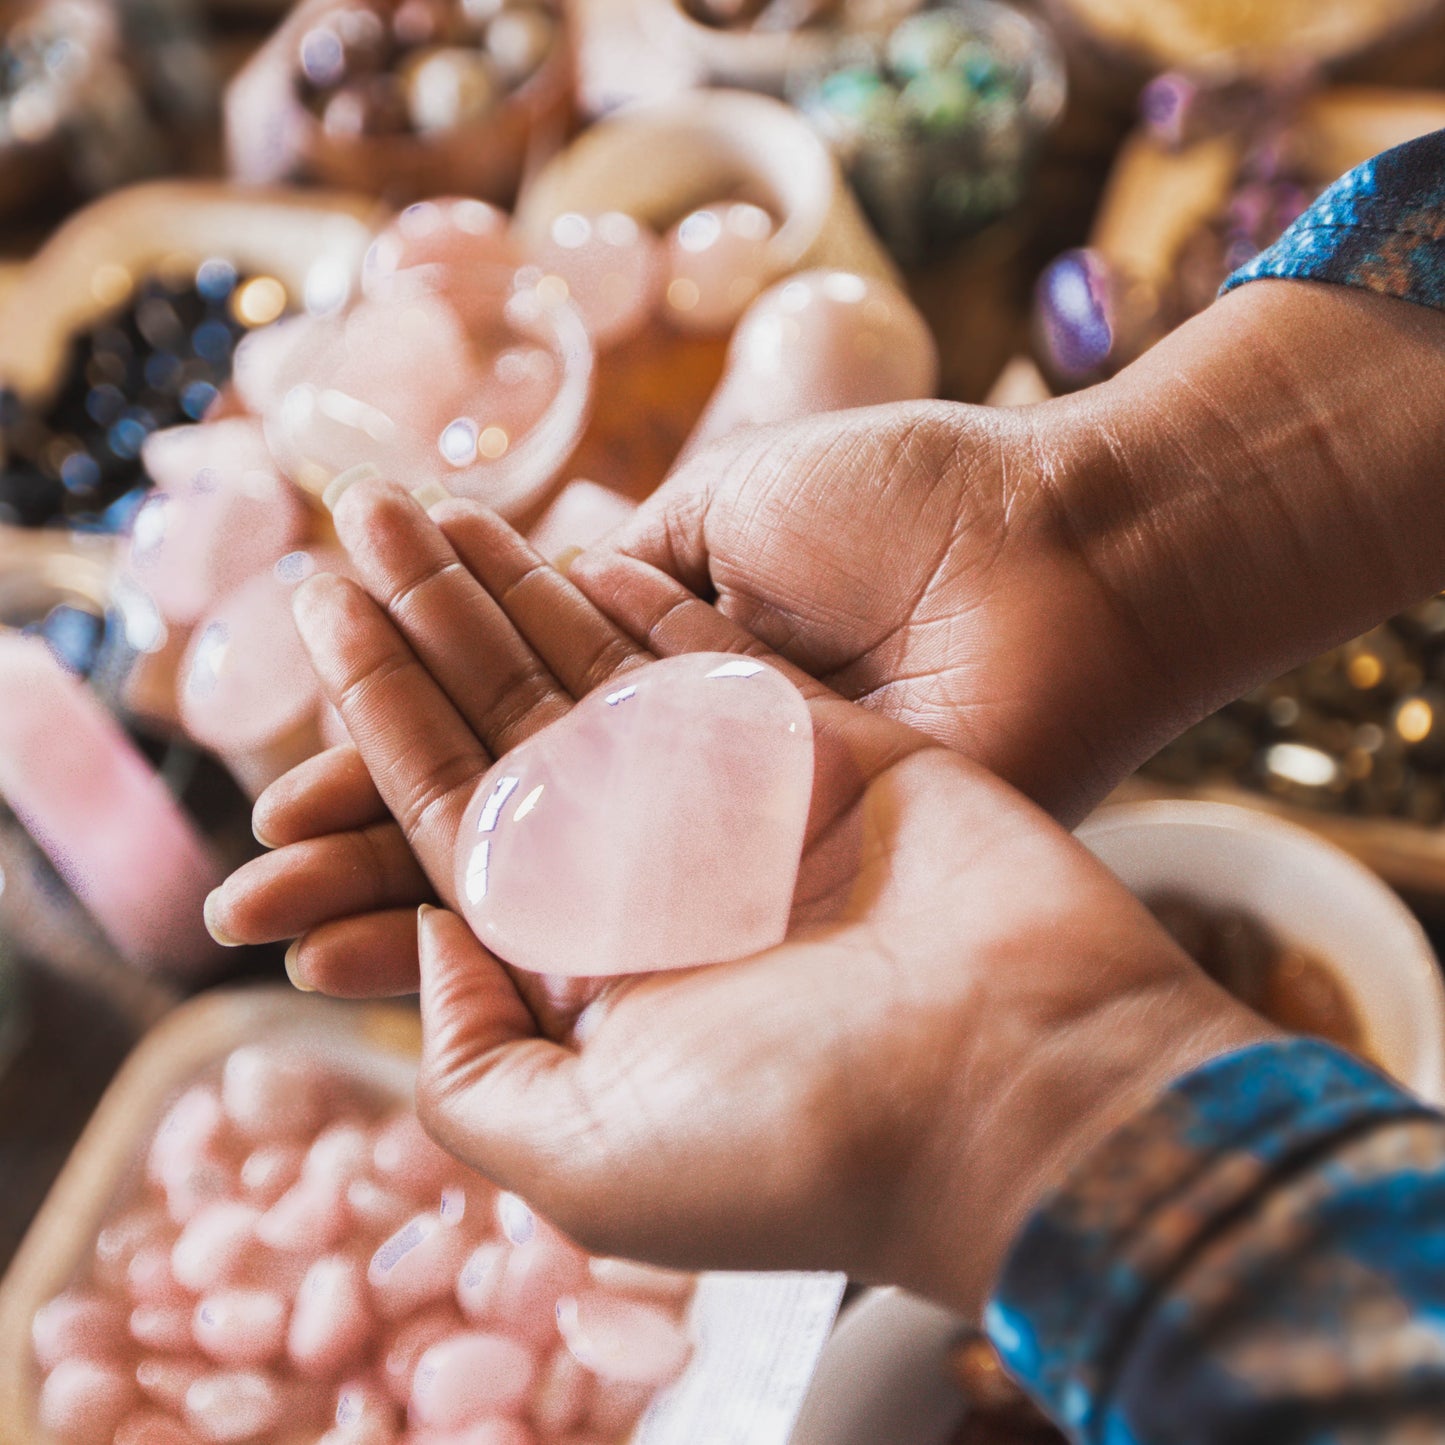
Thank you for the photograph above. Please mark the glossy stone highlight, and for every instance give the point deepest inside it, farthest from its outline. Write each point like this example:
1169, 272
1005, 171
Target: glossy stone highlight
658, 825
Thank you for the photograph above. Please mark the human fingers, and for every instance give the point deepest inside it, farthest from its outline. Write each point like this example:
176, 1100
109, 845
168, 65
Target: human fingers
329, 793
369, 955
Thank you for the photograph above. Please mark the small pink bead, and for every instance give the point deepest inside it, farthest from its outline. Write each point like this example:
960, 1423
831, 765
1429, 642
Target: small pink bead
623, 1339
194, 1185
270, 1171
77, 1323
563, 1394
82, 1402
233, 1406
470, 1377
417, 1265
161, 1327
192, 1126
409, 1341
407, 1159
151, 1427
165, 1381
613, 268
341, 1152
213, 1246
617, 1405
117, 1242
480, 1281
646, 1281
717, 263
269, 1096
149, 1279
535, 1277
241, 1326
310, 1216
364, 1403
333, 1321
377, 1208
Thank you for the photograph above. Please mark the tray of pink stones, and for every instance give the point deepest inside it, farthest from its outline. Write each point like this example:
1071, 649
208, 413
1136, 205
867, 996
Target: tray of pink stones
255, 1241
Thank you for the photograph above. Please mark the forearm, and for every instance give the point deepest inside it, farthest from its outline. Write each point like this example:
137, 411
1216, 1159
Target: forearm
1263, 484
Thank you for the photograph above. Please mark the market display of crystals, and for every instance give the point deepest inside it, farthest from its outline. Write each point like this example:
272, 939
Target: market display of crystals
406, 238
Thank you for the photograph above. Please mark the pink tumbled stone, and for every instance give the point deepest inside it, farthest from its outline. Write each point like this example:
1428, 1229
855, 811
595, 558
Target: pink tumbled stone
241, 1326
220, 514
333, 1321
268, 1172
161, 1326
151, 1427
679, 796
150, 1280
197, 1184
77, 1323
262, 356
406, 1158
311, 1215
469, 1377
192, 1126
582, 513
496, 1431
377, 1208
448, 240
645, 1280
534, 1277
820, 341
269, 1095
214, 1244
82, 1401
480, 1281
623, 1339
417, 1265
563, 1394
409, 1341
234, 1405
117, 1242
717, 261
165, 1380
340, 1152
613, 268
365, 1413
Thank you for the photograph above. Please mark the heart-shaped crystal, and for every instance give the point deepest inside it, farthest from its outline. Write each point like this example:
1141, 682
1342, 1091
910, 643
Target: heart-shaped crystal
658, 825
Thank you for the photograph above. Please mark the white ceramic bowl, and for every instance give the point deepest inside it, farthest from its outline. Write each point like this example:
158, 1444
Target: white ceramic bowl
1311, 894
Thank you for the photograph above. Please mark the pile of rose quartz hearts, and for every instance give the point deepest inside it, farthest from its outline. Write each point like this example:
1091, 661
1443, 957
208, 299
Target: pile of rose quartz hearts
299, 1263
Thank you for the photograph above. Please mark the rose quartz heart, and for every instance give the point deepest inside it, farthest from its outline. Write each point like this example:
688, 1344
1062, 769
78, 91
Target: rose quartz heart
658, 825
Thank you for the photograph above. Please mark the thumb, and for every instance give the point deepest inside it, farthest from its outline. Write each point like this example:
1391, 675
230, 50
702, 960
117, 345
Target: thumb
491, 1090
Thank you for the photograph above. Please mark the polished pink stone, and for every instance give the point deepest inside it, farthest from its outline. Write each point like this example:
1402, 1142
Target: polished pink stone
333, 1320
82, 1401
417, 1265
645, 1281
480, 1280
534, 1277
409, 1340
365, 1411
220, 514
77, 1323
152, 1427
247, 685
270, 1094
442, 243
581, 513
98, 809
311, 1215
165, 1379
195, 1184
162, 1326
241, 1326
230, 1406
658, 825
623, 1339
213, 1246
407, 1159
376, 1208
821, 341
563, 1394
341, 1152
268, 1172
496, 1431
192, 1126
613, 268
150, 1281
264, 357
469, 1377
717, 261
119, 1238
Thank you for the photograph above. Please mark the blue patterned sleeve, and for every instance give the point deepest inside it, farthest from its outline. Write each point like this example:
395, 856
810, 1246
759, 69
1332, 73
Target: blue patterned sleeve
1258, 1259
1381, 227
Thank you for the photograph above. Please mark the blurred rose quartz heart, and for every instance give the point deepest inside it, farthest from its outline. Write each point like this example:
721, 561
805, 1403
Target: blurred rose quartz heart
658, 825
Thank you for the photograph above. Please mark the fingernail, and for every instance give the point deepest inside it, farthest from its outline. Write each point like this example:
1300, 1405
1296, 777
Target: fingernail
342, 481
293, 960
429, 494
564, 559
258, 835
208, 913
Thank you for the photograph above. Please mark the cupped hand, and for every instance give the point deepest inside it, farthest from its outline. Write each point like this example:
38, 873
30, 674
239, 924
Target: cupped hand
464, 644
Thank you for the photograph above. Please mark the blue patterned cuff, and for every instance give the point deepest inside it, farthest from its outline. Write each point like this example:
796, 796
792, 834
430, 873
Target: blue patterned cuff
1094, 1261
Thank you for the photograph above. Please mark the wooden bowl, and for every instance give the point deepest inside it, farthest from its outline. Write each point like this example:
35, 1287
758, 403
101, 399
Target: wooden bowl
271, 136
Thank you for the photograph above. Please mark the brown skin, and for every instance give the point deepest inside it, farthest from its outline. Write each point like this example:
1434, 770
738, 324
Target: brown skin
909, 1042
